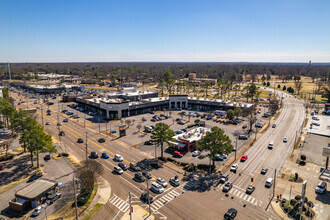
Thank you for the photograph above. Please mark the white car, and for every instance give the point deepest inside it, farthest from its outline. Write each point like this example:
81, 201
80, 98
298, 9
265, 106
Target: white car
285, 140
38, 210
161, 182
118, 158
224, 156
118, 170
234, 167
47, 123
157, 188
175, 181
196, 153
315, 118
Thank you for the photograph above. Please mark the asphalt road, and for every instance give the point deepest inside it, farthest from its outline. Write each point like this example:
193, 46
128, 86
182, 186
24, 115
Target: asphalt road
198, 200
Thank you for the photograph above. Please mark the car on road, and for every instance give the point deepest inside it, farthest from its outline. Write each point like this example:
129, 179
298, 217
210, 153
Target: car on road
47, 123
227, 186
123, 166
62, 133
146, 198
181, 122
285, 140
196, 153
59, 124
269, 182
2, 167
65, 120
39, 210
175, 181
118, 158
224, 178
118, 170
242, 137
161, 182
156, 188
274, 126
218, 157
143, 119
244, 158
234, 167
47, 157
177, 154
146, 174
315, 118
134, 167
138, 176
244, 126
80, 140
148, 143
250, 189
34, 177
230, 214
105, 155
264, 170
101, 140
94, 155
53, 197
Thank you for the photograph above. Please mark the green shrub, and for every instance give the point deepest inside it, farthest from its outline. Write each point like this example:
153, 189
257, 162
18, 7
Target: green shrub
59, 155
293, 202
191, 125
203, 166
184, 163
65, 154
9, 157
82, 198
171, 159
287, 207
298, 197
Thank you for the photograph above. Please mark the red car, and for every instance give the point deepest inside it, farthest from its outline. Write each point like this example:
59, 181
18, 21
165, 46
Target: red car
2, 167
177, 154
154, 120
243, 158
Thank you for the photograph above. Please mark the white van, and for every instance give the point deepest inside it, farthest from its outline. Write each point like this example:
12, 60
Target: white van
270, 145
269, 182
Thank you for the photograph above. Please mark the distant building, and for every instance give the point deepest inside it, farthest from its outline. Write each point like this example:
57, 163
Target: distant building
59, 77
49, 89
131, 84
192, 78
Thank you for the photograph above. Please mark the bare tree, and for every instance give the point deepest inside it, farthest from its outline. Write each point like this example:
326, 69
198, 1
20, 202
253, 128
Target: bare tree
139, 126
128, 122
94, 166
298, 85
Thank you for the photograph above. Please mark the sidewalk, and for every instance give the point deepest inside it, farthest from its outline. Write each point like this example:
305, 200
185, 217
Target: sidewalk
102, 196
138, 213
279, 211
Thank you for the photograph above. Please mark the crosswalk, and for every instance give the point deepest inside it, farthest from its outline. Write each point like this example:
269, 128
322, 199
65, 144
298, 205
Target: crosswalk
119, 203
240, 193
165, 199
188, 185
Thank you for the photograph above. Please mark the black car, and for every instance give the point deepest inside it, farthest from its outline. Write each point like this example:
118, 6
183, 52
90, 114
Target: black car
146, 198
264, 170
34, 177
148, 143
134, 167
48, 113
65, 120
94, 155
62, 133
146, 174
230, 214
139, 177
227, 187
80, 140
250, 189
122, 166
244, 126
47, 157
101, 140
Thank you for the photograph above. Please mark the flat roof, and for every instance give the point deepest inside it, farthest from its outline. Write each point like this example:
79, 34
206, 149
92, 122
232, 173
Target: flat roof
325, 176
192, 135
35, 189
324, 128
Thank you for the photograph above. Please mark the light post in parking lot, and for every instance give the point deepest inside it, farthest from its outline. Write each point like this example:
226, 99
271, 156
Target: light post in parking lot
86, 147
236, 146
148, 196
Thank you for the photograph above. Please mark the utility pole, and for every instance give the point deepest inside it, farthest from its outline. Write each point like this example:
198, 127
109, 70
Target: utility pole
75, 196
236, 147
130, 206
303, 198
274, 184
255, 138
84, 121
148, 197
290, 192
42, 117
99, 125
86, 147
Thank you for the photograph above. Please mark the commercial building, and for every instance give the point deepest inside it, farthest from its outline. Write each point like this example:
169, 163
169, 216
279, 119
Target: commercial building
133, 102
33, 195
192, 78
49, 89
189, 139
59, 77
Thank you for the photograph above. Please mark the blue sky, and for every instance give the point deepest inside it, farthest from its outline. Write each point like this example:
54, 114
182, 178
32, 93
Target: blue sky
164, 30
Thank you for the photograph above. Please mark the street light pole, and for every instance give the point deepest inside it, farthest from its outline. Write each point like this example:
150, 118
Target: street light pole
99, 125
148, 197
86, 147
274, 183
42, 117
236, 147
75, 196
130, 206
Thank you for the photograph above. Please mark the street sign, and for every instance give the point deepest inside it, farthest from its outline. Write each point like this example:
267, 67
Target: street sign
326, 152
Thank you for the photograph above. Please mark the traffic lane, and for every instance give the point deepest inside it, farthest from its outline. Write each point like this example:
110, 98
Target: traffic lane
215, 204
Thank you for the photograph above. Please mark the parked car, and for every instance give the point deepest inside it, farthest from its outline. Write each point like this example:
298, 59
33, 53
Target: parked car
146, 174
316, 124
101, 140
123, 166
94, 155
80, 140
234, 168
264, 170
38, 210
161, 182
146, 198
105, 155
153, 120
139, 177
65, 120
244, 158
59, 124
2, 167
181, 122
230, 214
250, 189
321, 187
143, 119
47, 123
118, 158
134, 167
315, 118
177, 154
148, 143
175, 181
34, 177
53, 197
156, 188
196, 153
47, 157
118, 170
227, 186
242, 137
178, 132
274, 126
224, 178
285, 140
